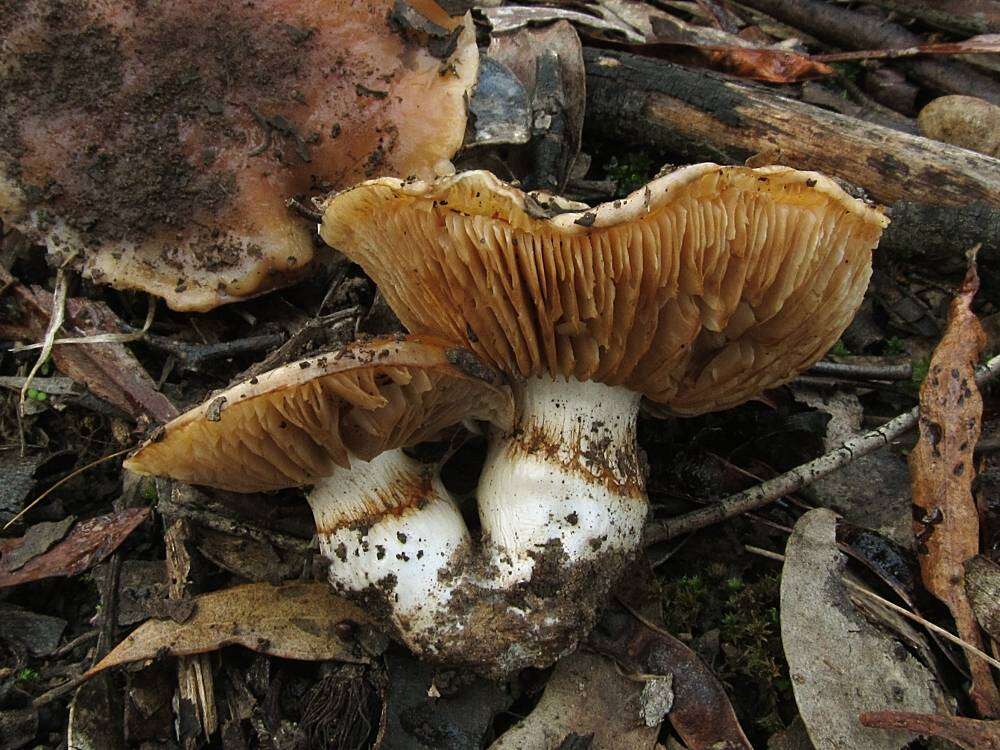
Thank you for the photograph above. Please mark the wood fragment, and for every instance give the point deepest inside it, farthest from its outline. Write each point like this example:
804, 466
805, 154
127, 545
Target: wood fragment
942, 199
195, 685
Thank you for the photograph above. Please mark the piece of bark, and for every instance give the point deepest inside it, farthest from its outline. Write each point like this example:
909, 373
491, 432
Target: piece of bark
943, 198
852, 30
196, 691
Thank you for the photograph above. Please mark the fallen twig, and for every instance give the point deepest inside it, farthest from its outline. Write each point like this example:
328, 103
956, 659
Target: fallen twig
862, 372
800, 476
193, 356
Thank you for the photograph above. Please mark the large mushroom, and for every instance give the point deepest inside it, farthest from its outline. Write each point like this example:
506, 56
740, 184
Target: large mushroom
158, 142
335, 423
698, 291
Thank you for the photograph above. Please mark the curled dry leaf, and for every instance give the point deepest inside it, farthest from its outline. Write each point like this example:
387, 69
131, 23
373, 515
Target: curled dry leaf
87, 544
970, 734
946, 520
840, 663
296, 620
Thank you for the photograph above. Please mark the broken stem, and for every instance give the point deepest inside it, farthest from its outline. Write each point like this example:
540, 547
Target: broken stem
800, 476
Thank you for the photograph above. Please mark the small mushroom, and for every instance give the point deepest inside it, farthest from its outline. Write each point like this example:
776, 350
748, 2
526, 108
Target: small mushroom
698, 291
335, 423
158, 143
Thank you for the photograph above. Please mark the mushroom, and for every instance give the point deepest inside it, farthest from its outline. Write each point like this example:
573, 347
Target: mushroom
335, 424
698, 291
159, 142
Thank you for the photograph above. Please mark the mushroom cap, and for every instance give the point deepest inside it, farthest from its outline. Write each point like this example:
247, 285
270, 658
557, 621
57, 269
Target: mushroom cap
160, 141
298, 423
699, 290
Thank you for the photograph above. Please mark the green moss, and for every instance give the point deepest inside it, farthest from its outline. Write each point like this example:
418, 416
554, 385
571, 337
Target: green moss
840, 350
630, 171
27, 676
745, 612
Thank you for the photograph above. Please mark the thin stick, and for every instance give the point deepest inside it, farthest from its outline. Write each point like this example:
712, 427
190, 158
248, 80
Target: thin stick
862, 372
62, 481
894, 607
800, 476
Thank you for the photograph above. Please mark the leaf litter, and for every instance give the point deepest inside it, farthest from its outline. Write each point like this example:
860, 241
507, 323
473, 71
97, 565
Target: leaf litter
294, 620
946, 519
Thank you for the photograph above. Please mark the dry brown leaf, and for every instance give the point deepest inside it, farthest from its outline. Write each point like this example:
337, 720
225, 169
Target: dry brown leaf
771, 65
110, 371
971, 734
946, 520
87, 544
295, 620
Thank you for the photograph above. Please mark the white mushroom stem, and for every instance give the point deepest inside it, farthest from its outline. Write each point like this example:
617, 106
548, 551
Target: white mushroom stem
389, 529
566, 481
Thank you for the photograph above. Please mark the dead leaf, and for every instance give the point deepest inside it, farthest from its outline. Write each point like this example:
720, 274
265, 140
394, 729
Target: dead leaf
946, 520
39, 634
296, 620
110, 371
971, 734
700, 711
841, 664
586, 696
982, 584
771, 65
36, 540
87, 544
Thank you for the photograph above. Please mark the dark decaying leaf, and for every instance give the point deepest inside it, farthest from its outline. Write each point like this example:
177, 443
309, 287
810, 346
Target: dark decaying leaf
87, 544
946, 519
296, 620
982, 584
969, 734
39, 634
700, 711
430, 708
840, 663
18, 474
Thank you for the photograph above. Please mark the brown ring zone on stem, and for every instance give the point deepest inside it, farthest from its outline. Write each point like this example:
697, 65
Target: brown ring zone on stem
596, 459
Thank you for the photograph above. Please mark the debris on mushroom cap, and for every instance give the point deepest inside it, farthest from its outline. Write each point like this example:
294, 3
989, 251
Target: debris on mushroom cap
296, 424
699, 290
161, 141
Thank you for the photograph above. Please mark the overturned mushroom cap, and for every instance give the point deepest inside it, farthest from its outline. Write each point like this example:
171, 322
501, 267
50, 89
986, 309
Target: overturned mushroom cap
295, 425
159, 141
700, 290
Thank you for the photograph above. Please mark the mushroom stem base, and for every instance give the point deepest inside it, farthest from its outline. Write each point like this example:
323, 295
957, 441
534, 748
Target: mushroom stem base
388, 528
566, 485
